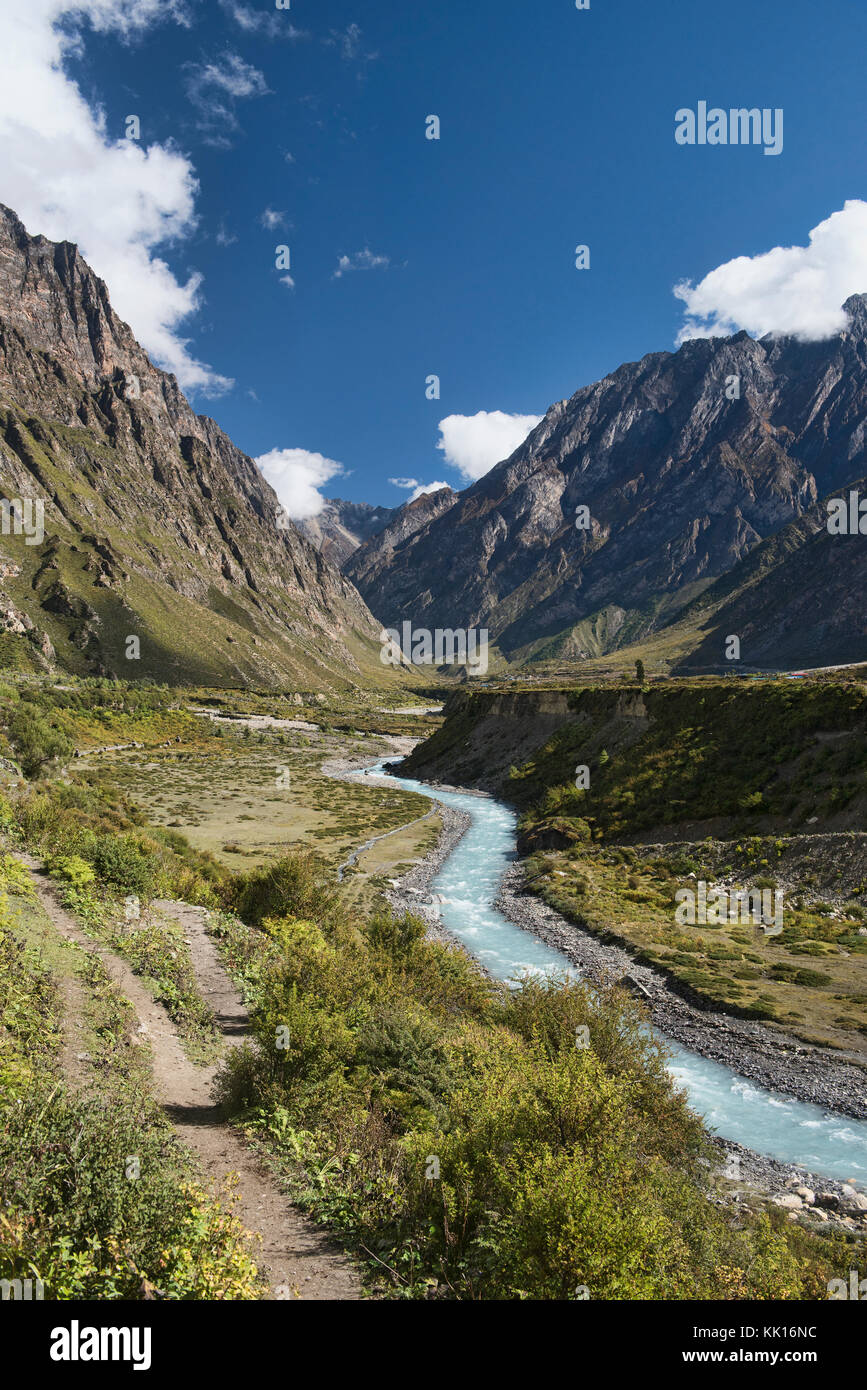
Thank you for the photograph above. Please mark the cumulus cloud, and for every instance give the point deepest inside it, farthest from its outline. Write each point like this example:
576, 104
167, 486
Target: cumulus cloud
70, 179
474, 443
415, 488
795, 290
214, 88
361, 260
296, 476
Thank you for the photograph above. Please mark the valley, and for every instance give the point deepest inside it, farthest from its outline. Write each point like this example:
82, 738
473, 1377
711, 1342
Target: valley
342, 956
239, 836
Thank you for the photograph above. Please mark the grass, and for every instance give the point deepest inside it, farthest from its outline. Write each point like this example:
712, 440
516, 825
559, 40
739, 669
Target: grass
74, 1213
626, 898
449, 1129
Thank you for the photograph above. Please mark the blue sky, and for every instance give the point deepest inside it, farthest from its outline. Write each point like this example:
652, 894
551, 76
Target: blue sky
557, 130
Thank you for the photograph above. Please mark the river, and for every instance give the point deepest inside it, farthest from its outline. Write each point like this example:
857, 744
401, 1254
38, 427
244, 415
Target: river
737, 1109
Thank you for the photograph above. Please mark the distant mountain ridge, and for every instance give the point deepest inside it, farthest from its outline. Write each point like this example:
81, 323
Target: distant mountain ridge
341, 527
156, 525
686, 461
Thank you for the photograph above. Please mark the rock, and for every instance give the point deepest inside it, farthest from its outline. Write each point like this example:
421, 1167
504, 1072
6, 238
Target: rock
634, 986
78, 390
790, 1201
648, 441
807, 1195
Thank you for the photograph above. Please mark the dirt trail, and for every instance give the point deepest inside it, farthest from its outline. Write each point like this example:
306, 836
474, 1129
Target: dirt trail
296, 1257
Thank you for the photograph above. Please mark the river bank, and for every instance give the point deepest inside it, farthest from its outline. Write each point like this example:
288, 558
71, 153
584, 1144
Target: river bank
778, 1064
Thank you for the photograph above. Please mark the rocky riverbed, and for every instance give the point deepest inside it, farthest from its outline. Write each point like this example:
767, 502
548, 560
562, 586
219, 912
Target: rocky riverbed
773, 1060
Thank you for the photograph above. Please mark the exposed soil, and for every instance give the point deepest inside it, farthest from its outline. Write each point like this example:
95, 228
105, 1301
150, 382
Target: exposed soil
295, 1256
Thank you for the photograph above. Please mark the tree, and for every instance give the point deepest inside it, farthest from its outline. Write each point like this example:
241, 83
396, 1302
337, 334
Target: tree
639, 671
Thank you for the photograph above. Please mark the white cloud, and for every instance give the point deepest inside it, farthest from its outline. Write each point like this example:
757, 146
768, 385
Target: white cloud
213, 89
270, 219
349, 43
424, 488
794, 290
296, 475
415, 488
287, 281
474, 443
275, 26
360, 260
69, 178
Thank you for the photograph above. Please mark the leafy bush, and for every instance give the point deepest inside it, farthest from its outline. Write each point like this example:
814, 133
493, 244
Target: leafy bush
37, 740
292, 885
71, 869
463, 1133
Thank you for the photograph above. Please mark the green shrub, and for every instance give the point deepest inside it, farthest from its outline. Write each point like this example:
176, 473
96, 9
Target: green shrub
71, 869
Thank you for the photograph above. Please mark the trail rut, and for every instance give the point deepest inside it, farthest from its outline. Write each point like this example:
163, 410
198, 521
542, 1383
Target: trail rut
296, 1257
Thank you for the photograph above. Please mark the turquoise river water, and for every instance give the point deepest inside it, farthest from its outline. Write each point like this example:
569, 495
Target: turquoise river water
737, 1109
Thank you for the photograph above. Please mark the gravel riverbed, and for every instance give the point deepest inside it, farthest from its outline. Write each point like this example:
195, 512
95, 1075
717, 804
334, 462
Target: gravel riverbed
773, 1060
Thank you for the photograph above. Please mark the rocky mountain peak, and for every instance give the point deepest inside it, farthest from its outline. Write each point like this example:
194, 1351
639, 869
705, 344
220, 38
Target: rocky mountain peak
202, 567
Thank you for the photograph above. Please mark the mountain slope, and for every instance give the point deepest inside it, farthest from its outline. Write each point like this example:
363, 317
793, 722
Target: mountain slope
156, 525
341, 527
372, 559
795, 601
681, 482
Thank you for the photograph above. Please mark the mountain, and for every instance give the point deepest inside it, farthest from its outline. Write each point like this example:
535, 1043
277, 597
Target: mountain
341, 527
795, 601
372, 560
157, 526
342, 530
685, 462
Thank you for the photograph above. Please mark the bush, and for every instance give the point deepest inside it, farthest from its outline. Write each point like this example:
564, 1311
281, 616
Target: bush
292, 886
123, 862
71, 869
36, 741
89, 1231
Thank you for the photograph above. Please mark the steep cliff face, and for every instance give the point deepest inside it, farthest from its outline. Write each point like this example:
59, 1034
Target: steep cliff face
797, 600
369, 565
156, 525
341, 527
684, 461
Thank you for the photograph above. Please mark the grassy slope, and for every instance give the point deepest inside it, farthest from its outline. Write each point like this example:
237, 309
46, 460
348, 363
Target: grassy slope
744, 764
